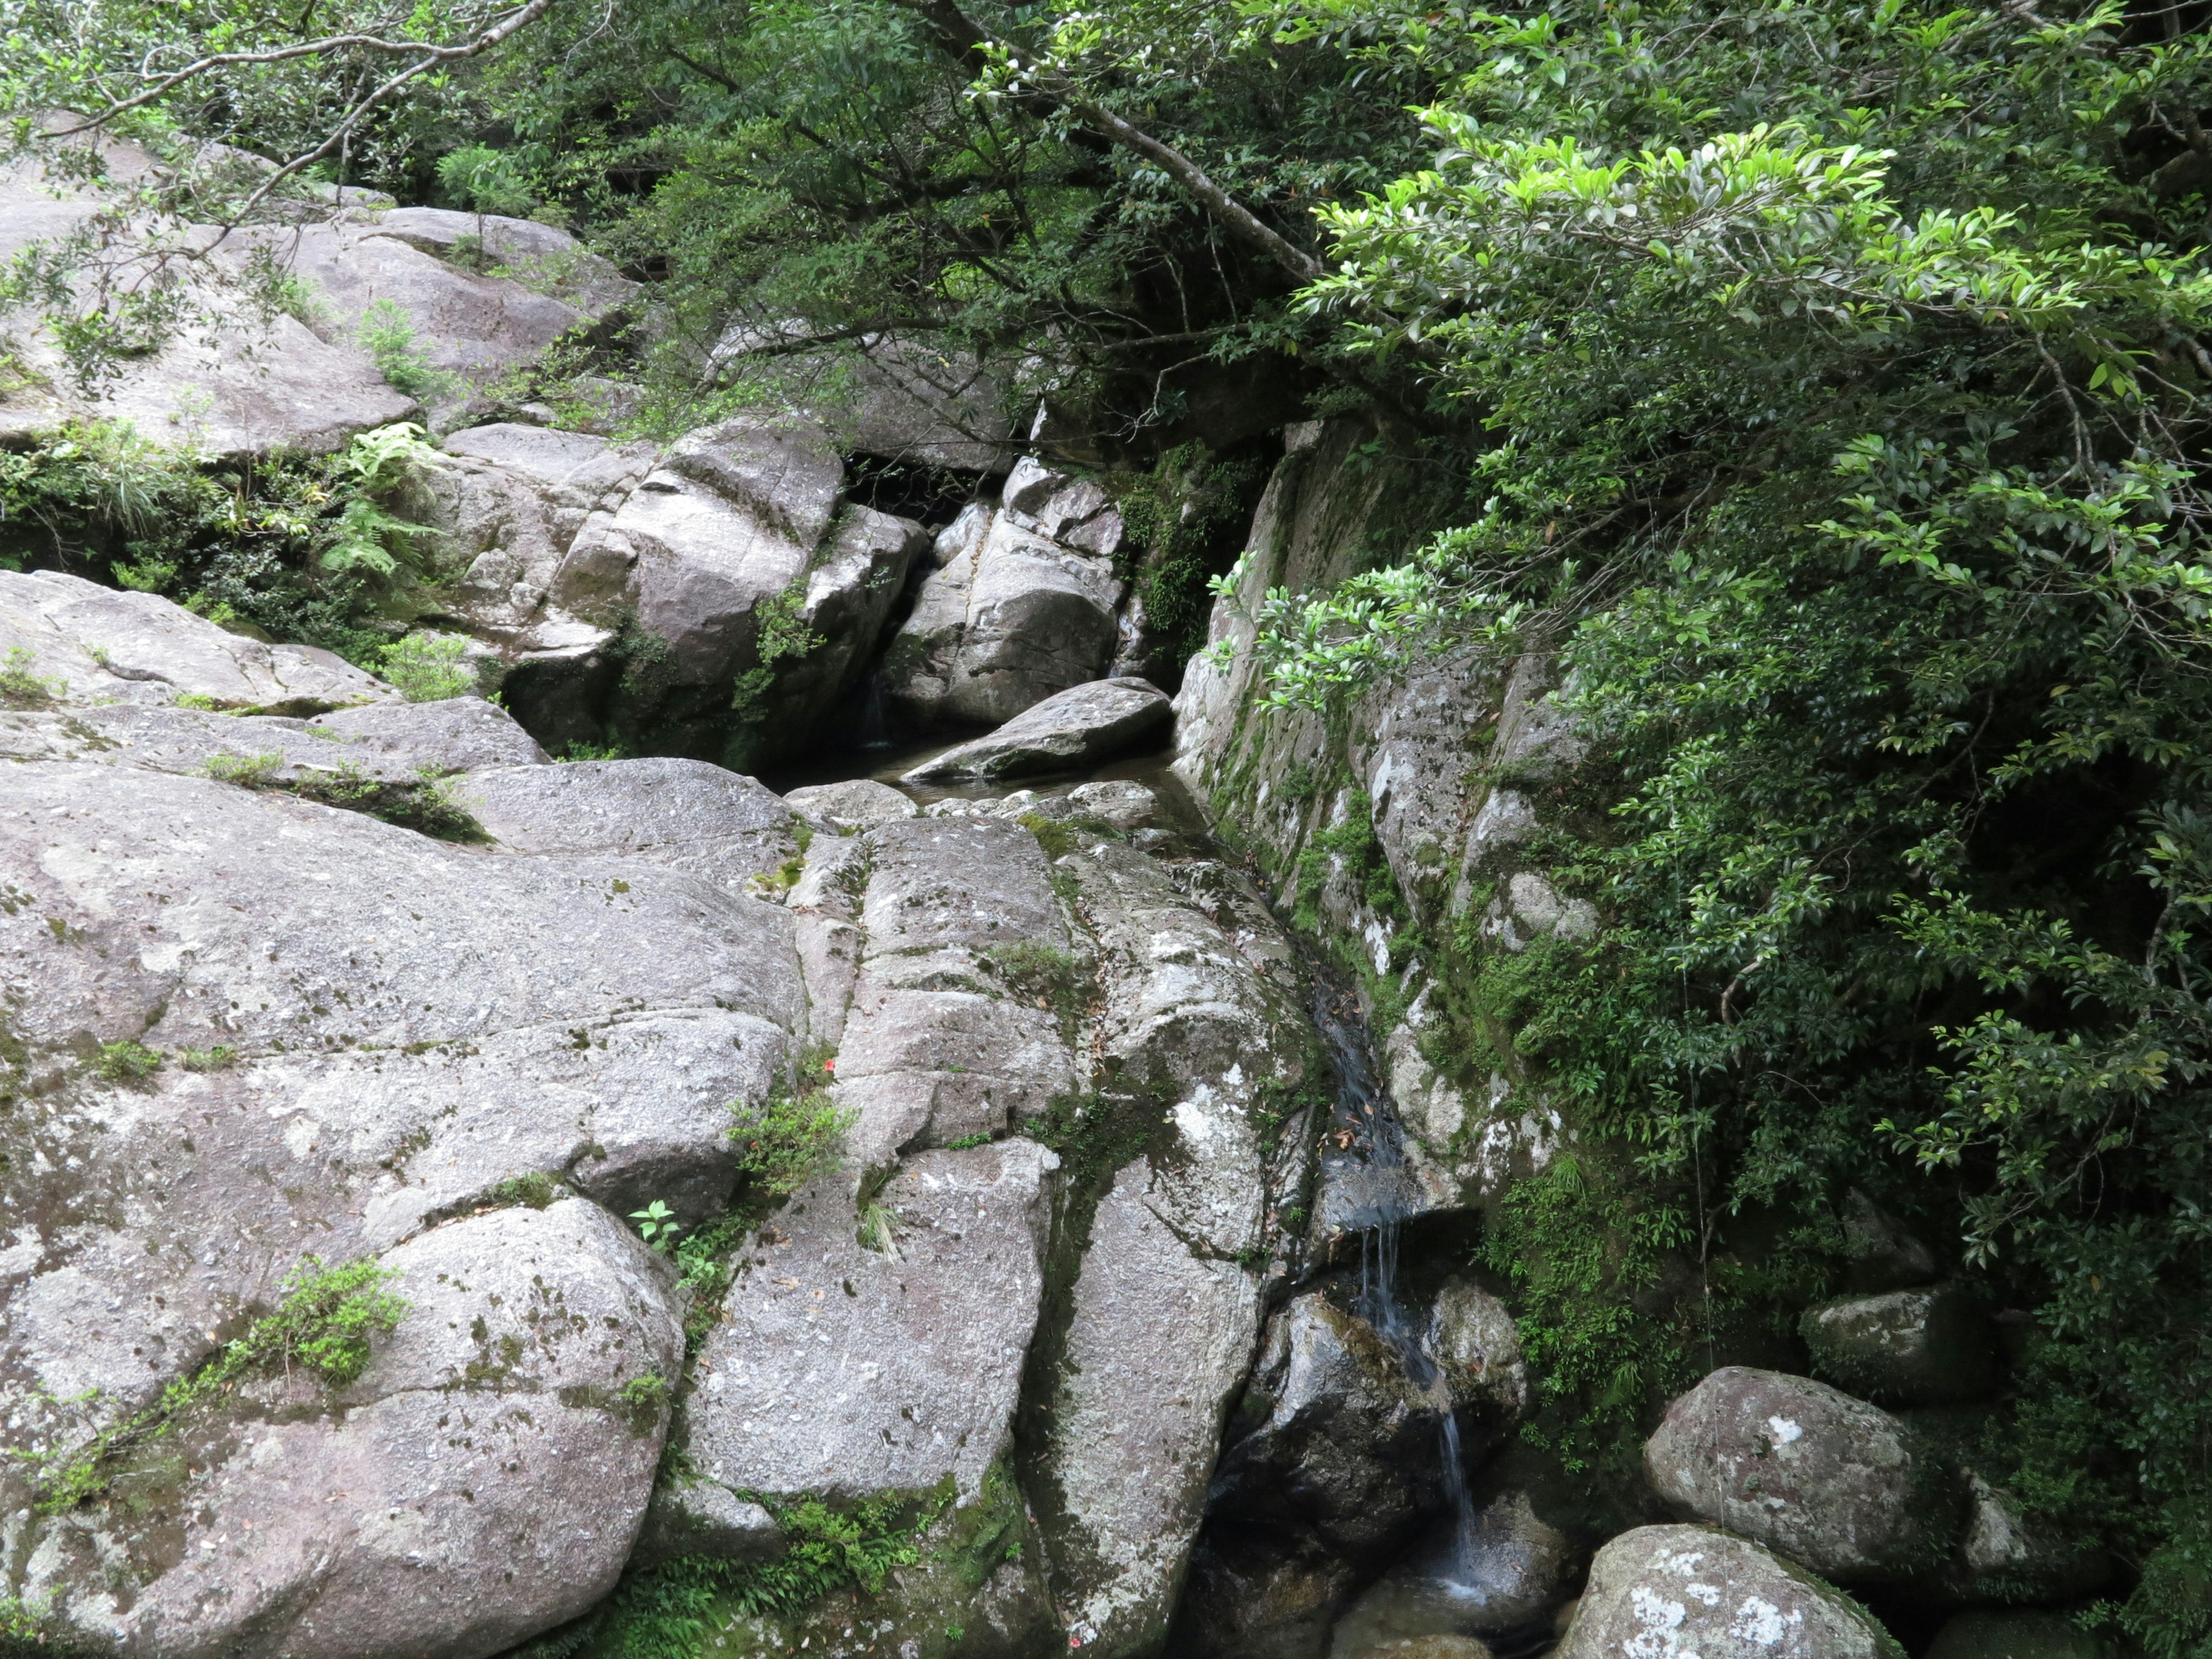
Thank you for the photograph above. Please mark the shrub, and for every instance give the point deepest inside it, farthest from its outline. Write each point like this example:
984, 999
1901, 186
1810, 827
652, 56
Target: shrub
430, 667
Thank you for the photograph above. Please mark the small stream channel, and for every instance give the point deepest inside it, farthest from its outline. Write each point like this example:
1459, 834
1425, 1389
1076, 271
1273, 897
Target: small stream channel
1368, 1192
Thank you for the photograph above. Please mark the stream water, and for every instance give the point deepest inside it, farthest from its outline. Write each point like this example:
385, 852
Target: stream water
1369, 1166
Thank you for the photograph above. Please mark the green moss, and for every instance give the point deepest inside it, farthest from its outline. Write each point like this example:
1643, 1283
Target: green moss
324, 1324
669, 1611
424, 803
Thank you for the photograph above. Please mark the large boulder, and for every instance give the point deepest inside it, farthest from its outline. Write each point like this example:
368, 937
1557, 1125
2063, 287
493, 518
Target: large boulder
467, 323
542, 258
907, 400
242, 1029
82, 644
1077, 728
1930, 1346
1011, 618
508, 507
515, 1414
1348, 1445
230, 381
858, 1368
1829, 1480
1673, 1592
944, 1038
734, 602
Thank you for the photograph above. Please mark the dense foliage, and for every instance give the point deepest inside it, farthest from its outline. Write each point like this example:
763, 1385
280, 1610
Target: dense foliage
1831, 379
1843, 371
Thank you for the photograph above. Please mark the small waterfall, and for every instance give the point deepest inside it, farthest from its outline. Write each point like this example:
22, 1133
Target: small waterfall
1368, 1158
874, 732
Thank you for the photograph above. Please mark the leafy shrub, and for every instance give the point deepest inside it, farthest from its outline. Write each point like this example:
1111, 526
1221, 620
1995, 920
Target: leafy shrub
20, 687
787, 1140
430, 667
127, 1061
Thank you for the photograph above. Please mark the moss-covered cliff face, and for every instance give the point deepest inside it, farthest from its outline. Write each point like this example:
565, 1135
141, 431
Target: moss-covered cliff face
1459, 834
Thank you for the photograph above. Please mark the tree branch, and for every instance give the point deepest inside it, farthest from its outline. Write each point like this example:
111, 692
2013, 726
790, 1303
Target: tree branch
483, 41
957, 34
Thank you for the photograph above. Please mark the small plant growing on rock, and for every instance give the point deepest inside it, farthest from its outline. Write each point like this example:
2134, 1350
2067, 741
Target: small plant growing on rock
536, 1191
220, 1058
786, 1140
878, 1231
389, 339
19, 688
430, 667
657, 1225
323, 1325
127, 1061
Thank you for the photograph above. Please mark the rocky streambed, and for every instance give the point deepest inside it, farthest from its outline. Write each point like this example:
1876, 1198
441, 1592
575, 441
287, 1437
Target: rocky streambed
770, 1194
1121, 1318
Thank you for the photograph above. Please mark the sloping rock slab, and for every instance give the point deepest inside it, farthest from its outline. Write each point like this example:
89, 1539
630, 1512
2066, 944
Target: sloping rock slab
1082, 726
1674, 1592
454, 734
91, 644
843, 1370
688, 814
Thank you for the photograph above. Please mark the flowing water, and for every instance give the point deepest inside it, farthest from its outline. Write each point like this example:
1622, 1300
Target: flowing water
1367, 1165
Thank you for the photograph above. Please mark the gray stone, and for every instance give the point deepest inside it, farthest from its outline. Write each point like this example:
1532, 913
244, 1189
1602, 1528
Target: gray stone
756, 612
507, 508
2009, 1555
1672, 1592
470, 324
1077, 728
1003, 627
856, 579
491, 1427
455, 734
1159, 1336
685, 814
842, 1370
193, 743
1473, 1338
1881, 1254
903, 398
704, 1517
2014, 1633
1245, 1599
1348, 1451
229, 383
408, 1026
93, 644
1505, 1572
1921, 1347
938, 1045
540, 257
1832, 1481
859, 803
